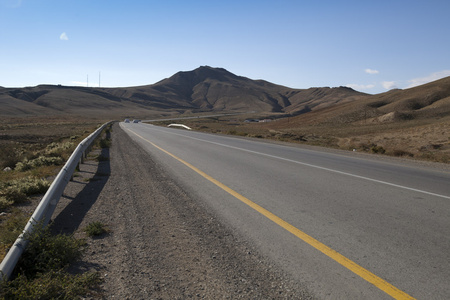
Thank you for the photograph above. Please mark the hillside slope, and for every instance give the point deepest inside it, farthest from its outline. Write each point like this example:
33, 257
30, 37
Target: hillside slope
428, 101
203, 89
208, 89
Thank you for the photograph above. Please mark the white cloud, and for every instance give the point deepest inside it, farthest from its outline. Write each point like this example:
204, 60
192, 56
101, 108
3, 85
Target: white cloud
389, 85
371, 71
360, 86
432, 77
63, 37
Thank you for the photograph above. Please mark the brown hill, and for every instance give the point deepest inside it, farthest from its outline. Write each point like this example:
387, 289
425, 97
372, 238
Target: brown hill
52, 100
216, 89
413, 122
203, 89
429, 101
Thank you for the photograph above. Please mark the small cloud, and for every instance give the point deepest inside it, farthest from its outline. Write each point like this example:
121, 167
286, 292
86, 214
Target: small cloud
63, 37
11, 3
360, 86
371, 71
432, 77
389, 85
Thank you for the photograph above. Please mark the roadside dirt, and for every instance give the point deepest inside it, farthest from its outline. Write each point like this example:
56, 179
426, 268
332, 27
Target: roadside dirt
162, 243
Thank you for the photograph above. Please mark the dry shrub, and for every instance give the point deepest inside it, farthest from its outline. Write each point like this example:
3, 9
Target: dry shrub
16, 191
10, 155
398, 152
38, 162
59, 149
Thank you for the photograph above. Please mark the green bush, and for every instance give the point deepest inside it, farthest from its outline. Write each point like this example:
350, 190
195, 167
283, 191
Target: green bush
41, 269
95, 229
46, 252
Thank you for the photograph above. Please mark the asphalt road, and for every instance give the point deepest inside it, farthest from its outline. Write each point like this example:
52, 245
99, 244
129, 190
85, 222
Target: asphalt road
346, 226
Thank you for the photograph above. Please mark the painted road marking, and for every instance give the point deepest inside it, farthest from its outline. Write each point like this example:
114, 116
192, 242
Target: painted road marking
319, 167
347, 263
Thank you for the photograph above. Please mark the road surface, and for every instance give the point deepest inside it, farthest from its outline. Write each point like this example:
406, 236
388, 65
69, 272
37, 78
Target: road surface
347, 227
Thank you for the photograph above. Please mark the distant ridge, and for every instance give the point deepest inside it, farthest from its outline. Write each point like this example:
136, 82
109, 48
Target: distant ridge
429, 101
217, 90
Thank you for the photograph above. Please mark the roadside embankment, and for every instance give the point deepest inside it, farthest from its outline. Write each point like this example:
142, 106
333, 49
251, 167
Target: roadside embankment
162, 243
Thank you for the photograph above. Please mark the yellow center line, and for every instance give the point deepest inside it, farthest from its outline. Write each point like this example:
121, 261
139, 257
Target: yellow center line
344, 261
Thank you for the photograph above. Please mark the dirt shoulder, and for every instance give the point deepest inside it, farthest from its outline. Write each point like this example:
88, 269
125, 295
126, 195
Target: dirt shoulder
163, 244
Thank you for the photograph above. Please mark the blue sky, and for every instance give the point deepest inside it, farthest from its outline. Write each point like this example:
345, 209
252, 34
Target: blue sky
372, 46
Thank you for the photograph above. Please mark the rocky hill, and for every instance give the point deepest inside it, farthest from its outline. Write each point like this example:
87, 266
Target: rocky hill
203, 89
208, 89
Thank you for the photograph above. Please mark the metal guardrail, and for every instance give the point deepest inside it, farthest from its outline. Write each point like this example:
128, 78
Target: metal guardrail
47, 205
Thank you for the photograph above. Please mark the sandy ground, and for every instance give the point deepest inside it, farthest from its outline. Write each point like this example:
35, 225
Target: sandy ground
162, 243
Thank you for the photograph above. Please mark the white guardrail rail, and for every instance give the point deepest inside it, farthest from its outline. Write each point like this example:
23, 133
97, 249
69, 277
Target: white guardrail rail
47, 205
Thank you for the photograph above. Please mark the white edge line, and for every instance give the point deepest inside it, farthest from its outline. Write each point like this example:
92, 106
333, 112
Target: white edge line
319, 167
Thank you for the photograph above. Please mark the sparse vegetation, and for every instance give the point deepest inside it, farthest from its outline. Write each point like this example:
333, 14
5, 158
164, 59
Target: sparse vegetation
10, 155
400, 153
95, 229
105, 143
47, 252
41, 270
16, 191
38, 162
34, 151
11, 226
419, 138
377, 149
60, 149
51, 285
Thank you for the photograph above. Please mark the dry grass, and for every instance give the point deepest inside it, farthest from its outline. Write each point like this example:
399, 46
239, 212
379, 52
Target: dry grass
424, 139
25, 138
30, 146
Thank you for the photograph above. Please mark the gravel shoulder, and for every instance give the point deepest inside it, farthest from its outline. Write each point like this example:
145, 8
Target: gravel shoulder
162, 243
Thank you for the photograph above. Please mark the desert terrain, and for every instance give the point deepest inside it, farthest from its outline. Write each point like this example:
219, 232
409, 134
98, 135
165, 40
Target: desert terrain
44, 122
411, 123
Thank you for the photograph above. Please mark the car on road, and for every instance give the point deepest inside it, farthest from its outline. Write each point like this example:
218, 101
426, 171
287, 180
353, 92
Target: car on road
136, 121
127, 121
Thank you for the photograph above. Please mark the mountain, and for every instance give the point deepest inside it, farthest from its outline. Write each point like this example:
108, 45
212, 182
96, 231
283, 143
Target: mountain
203, 89
429, 101
218, 90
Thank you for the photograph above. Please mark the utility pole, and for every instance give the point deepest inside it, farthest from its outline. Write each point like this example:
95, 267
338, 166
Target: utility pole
87, 80
99, 79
